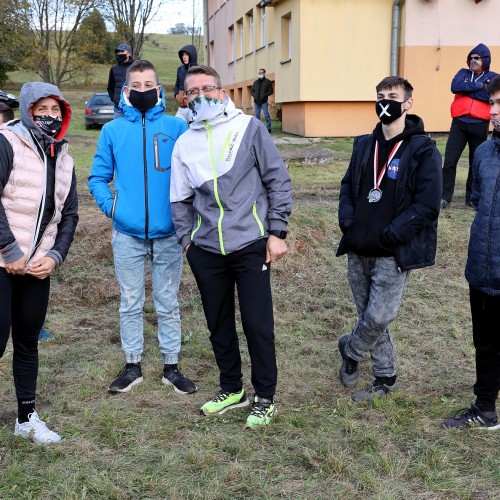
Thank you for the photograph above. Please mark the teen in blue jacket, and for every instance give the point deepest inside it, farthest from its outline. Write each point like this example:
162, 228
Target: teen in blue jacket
483, 274
135, 152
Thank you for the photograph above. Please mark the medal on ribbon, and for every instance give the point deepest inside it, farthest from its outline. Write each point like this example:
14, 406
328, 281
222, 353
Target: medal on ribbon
375, 194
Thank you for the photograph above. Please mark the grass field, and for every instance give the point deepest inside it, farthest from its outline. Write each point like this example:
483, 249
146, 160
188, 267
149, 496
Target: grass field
152, 444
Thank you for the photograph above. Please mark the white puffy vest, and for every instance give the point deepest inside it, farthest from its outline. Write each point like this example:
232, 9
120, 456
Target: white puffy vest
24, 195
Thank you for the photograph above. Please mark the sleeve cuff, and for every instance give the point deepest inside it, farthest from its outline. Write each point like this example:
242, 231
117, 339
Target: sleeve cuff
11, 252
185, 240
54, 254
277, 225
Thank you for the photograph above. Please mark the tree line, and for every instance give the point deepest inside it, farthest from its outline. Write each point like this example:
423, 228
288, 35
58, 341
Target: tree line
56, 39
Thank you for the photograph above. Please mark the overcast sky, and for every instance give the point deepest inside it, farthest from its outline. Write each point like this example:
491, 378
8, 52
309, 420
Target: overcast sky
177, 11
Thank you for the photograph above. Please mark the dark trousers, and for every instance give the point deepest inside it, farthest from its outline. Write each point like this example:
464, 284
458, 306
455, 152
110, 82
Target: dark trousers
461, 134
486, 335
216, 276
23, 305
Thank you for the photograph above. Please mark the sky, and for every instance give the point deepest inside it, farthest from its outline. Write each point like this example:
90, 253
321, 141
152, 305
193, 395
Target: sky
176, 11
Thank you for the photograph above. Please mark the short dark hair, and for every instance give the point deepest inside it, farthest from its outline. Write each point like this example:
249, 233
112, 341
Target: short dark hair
6, 112
389, 82
262, 69
203, 70
140, 66
494, 86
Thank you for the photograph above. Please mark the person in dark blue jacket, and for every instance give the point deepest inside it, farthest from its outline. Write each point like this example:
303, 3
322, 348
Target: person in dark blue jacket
470, 118
388, 211
188, 57
135, 151
483, 274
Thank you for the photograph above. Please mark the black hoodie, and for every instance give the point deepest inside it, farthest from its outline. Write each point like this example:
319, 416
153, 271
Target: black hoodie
183, 68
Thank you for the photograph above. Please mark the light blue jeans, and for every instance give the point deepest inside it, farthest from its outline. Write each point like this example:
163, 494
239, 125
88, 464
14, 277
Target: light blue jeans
165, 265
265, 108
377, 286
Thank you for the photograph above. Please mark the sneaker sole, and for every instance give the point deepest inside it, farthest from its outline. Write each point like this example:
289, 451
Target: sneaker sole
126, 389
242, 404
165, 381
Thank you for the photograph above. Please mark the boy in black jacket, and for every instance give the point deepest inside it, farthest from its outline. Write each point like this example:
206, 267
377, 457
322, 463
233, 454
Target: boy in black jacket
388, 211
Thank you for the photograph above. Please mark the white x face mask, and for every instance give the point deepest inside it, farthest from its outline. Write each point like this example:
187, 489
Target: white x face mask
388, 110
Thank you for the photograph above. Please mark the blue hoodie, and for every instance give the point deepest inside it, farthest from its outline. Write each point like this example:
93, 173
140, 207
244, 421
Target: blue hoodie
136, 152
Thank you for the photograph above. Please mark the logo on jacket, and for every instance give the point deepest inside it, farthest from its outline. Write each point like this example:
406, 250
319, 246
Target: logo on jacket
393, 168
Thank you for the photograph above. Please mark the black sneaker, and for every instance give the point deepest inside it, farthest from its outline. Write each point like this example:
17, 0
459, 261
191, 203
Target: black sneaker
175, 378
130, 375
473, 417
378, 389
349, 373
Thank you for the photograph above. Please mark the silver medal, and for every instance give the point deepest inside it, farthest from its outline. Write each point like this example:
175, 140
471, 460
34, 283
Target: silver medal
374, 195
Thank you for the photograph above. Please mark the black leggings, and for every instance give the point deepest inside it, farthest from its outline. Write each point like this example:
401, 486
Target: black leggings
23, 305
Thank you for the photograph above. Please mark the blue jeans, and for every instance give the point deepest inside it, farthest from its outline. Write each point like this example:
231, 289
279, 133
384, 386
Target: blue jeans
265, 107
165, 265
377, 286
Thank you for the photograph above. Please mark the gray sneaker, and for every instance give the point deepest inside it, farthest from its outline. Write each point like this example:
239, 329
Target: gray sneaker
349, 373
378, 389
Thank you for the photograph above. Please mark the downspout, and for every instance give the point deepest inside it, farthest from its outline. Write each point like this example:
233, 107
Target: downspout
394, 36
207, 32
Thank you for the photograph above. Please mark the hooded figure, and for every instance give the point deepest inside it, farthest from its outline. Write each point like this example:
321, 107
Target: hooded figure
189, 51
470, 111
38, 217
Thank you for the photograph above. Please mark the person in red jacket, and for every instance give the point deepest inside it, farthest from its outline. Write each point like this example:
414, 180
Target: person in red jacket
470, 113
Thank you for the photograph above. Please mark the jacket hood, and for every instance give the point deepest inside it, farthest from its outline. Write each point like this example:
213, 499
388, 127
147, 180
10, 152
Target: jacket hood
133, 114
229, 112
193, 55
32, 92
413, 126
484, 52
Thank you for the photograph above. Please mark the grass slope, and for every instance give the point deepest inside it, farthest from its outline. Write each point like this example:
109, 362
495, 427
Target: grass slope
151, 443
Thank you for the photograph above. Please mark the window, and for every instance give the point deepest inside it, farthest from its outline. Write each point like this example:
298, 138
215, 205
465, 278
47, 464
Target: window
250, 35
263, 27
241, 38
231, 44
286, 37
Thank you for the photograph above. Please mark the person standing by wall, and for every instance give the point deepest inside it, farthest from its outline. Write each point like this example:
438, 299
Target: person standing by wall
470, 113
262, 88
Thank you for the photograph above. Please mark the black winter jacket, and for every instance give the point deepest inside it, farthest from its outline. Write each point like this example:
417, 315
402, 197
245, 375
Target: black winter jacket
261, 90
183, 68
117, 77
413, 230
483, 260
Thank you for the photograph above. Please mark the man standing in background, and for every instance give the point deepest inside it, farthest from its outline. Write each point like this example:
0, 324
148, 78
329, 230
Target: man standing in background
117, 75
262, 88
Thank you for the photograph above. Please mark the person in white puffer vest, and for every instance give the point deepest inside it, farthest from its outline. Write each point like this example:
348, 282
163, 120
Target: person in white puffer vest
38, 217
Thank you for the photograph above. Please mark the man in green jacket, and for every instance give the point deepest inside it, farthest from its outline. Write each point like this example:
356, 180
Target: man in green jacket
262, 88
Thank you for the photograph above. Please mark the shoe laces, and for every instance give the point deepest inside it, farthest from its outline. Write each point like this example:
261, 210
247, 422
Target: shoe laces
260, 408
39, 427
221, 396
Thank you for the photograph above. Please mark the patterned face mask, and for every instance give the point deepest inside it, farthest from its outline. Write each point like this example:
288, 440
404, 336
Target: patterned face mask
50, 125
496, 124
205, 108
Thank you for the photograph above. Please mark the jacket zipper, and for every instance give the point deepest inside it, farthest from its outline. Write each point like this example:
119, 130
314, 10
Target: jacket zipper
146, 202
216, 189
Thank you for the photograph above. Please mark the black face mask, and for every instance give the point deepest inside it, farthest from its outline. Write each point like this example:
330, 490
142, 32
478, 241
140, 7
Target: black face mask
388, 110
143, 100
50, 125
121, 58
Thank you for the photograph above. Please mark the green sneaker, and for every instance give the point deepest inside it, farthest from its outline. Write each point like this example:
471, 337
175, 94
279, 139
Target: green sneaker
263, 412
223, 402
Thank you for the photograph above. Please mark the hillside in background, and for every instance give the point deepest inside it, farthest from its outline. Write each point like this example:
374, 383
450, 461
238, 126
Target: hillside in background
161, 50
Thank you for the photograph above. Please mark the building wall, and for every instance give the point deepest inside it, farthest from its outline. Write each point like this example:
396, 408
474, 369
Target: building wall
340, 49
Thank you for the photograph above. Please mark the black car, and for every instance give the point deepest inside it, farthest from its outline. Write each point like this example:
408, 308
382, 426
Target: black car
99, 110
10, 99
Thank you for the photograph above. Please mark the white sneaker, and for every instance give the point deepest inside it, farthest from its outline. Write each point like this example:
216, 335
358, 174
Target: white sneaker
36, 430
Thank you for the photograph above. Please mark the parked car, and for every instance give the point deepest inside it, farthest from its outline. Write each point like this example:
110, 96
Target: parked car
10, 99
98, 110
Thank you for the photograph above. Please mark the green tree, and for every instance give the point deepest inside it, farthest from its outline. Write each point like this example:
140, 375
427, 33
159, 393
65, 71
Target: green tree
93, 42
54, 25
15, 36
